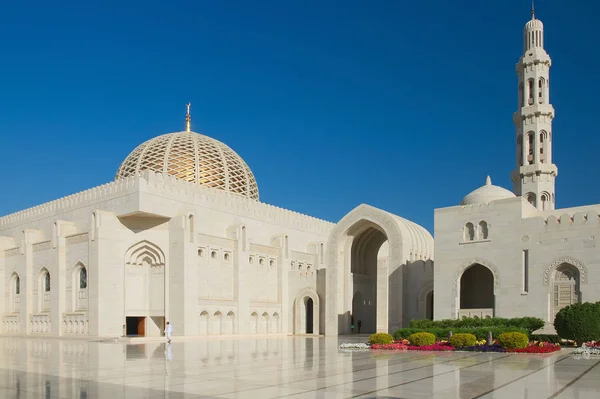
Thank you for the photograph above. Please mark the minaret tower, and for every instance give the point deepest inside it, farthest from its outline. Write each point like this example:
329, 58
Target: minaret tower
534, 175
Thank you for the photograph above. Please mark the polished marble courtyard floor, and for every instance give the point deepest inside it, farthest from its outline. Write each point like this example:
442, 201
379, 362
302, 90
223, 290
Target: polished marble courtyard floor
291, 367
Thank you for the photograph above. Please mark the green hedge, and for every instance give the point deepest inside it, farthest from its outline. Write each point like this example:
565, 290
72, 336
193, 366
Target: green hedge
529, 323
442, 333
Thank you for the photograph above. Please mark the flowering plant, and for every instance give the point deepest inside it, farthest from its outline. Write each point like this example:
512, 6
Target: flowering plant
395, 346
359, 345
588, 348
484, 348
536, 347
438, 347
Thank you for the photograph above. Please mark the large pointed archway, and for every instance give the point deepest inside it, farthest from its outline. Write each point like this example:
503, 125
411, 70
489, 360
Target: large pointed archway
365, 252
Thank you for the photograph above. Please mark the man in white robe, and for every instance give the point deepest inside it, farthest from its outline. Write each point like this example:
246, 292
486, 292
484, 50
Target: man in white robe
168, 331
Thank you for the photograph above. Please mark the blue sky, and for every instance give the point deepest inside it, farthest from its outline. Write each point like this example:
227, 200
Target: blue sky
404, 105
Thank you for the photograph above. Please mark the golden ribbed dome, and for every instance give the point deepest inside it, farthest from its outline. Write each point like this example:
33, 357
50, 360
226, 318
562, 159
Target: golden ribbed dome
194, 158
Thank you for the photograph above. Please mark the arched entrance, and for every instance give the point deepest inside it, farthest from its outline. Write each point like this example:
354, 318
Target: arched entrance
565, 287
309, 306
306, 312
476, 292
366, 251
144, 289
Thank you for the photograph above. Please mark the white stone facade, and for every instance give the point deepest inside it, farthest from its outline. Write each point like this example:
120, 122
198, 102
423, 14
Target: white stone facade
124, 257
534, 262
180, 235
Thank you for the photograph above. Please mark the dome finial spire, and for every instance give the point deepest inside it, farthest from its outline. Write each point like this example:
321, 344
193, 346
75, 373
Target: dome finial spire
488, 181
532, 9
188, 119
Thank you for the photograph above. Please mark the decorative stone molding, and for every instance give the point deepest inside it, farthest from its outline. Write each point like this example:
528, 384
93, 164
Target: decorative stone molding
41, 323
11, 323
12, 252
144, 251
75, 323
77, 239
570, 261
42, 246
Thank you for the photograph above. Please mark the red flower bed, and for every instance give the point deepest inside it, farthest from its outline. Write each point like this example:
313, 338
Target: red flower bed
542, 347
393, 347
437, 347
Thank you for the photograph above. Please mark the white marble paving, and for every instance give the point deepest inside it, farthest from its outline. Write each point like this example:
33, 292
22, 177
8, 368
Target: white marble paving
279, 367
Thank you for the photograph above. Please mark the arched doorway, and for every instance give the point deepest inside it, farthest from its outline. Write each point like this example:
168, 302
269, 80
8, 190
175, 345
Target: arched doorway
565, 287
429, 306
144, 289
476, 292
309, 305
306, 312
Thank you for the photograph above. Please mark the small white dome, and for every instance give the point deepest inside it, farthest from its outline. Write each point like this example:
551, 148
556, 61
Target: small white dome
534, 24
195, 158
486, 194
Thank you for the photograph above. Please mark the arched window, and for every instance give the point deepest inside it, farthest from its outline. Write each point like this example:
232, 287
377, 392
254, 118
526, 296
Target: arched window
545, 198
531, 86
483, 230
530, 197
541, 88
531, 139
83, 278
47, 282
191, 227
17, 285
469, 232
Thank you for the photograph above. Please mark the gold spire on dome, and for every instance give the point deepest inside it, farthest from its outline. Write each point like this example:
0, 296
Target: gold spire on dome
188, 119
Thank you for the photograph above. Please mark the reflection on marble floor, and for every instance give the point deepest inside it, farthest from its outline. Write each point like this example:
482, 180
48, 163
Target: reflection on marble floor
294, 367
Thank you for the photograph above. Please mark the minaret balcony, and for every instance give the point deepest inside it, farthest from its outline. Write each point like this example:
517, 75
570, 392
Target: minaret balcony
538, 168
536, 109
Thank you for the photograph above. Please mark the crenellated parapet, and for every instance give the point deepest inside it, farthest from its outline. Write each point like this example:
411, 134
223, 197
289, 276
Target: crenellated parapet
176, 189
73, 201
230, 202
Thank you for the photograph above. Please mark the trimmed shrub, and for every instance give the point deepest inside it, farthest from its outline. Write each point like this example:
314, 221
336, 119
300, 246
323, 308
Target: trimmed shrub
579, 322
421, 339
529, 323
513, 340
442, 333
381, 339
462, 340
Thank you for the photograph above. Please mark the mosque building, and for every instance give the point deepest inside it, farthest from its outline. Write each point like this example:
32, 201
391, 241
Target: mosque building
181, 235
